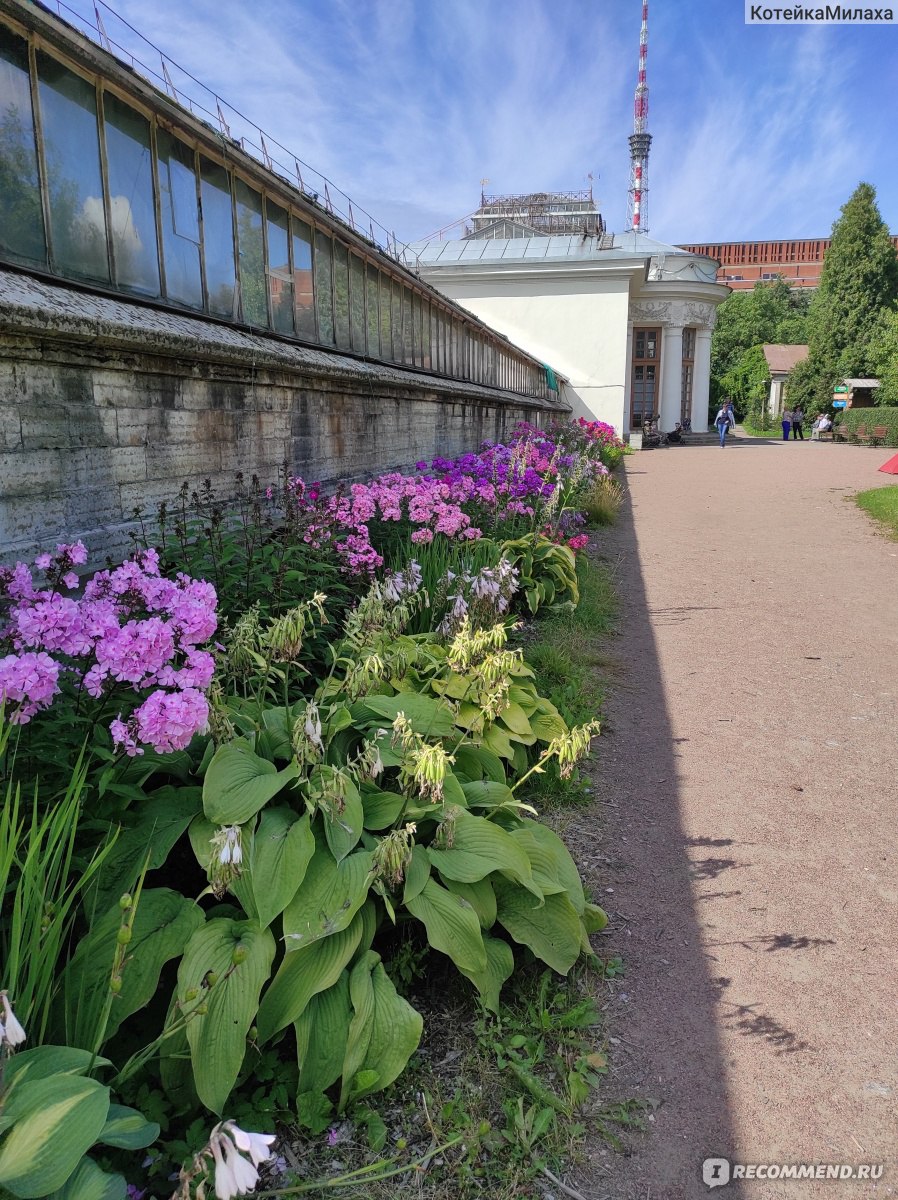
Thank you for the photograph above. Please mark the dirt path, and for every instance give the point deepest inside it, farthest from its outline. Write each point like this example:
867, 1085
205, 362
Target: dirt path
748, 779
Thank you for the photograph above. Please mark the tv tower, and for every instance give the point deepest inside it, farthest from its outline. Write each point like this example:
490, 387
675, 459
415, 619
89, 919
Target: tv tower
640, 140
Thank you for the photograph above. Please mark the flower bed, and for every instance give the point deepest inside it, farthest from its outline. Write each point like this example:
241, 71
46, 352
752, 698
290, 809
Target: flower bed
251, 820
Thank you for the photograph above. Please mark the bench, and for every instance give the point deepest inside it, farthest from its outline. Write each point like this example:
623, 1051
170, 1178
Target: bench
879, 435
840, 432
861, 433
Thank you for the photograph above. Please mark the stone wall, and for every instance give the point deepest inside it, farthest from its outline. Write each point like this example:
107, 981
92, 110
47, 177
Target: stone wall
106, 406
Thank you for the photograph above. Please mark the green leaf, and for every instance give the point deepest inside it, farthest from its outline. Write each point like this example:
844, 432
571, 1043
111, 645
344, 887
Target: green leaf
361, 996
217, 1037
314, 1111
417, 874
551, 860
594, 918
278, 724
40, 1062
382, 808
552, 929
321, 1034
54, 1121
452, 926
395, 1033
128, 1129
499, 967
330, 896
238, 783
547, 726
163, 817
304, 973
88, 1182
163, 923
485, 793
480, 896
497, 740
428, 717
480, 846
344, 829
282, 849
516, 719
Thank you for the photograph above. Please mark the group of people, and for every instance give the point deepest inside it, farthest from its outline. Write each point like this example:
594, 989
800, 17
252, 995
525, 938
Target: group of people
792, 418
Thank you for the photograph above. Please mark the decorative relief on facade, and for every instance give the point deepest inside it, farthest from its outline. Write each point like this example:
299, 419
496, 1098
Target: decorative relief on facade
649, 312
676, 313
701, 315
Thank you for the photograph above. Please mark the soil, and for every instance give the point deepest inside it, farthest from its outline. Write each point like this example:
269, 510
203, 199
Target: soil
744, 835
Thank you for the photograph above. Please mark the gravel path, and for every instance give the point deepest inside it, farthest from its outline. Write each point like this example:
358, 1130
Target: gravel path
746, 778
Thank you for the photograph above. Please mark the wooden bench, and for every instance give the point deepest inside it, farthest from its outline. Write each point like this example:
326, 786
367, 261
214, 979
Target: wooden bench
840, 432
879, 435
861, 433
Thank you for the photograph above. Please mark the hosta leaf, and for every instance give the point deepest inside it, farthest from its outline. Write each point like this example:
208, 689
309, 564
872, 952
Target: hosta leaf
451, 924
344, 829
484, 793
302, 975
238, 783
552, 929
89, 1182
321, 1034
42, 1061
163, 923
594, 918
127, 1129
551, 860
282, 848
497, 740
499, 966
382, 808
417, 874
217, 1037
53, 1122
428, 717
480, 896
163, 817
361, 996
330, 896
478, 847
516, 719
547, 726
395, 1033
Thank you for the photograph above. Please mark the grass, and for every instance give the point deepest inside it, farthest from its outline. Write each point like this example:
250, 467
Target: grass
602, 502
882, 504
488, 1105
775, 431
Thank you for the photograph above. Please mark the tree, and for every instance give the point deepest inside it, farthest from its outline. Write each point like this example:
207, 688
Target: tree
747, 383
884, 352
858, 287
769, 313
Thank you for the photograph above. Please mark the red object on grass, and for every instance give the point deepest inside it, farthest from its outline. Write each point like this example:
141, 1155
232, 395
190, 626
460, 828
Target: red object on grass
891, 467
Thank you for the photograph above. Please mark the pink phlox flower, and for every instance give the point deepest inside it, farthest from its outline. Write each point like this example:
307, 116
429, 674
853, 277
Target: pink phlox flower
422, 536
43, 562
30, 680
53, 624
168, 720
124, 735
138, 651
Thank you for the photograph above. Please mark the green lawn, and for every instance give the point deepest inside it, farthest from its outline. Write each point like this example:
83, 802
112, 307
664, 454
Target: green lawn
775, 431
882, 504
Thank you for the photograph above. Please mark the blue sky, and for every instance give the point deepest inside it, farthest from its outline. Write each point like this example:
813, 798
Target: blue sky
759, 132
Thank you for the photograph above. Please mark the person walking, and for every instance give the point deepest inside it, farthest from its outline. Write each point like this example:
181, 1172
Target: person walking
731, 413
722, 421
797, 423
787, 422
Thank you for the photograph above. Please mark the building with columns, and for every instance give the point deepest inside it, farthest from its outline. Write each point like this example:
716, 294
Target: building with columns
626, 320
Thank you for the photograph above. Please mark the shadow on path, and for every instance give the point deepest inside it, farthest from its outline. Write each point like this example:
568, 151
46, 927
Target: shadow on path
664, 1009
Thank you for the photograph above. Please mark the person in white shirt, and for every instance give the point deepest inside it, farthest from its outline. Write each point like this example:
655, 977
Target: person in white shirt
822, 425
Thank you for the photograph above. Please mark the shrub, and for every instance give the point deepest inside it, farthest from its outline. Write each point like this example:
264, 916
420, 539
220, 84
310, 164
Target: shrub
852, 419
601, 503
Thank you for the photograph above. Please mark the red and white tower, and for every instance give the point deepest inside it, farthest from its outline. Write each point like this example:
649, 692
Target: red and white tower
640, 139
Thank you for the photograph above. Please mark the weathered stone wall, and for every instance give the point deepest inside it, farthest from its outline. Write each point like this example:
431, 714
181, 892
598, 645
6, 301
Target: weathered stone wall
106, 406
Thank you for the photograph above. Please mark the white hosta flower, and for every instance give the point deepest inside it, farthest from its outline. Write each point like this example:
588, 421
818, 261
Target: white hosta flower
312, 726
256, 1145
11, 1030
231, 851
243, 1173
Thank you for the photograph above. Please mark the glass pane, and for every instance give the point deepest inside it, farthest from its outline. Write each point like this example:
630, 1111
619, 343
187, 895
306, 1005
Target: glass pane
303, 293
408, 352
425, 334
131, 207
357, 302
397, 321
280, 281
72, 148
386, 335
341, 294
21, 217
373, 319
324, 286
218, 239
180, 221
251, 255
418, 330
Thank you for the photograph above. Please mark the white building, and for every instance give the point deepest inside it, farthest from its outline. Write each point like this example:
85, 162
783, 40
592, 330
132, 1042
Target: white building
626, 319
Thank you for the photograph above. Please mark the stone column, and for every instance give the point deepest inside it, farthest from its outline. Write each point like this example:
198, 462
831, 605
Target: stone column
701, 380
671, 377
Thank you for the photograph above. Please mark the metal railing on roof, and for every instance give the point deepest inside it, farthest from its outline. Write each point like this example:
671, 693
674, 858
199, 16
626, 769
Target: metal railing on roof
231, 123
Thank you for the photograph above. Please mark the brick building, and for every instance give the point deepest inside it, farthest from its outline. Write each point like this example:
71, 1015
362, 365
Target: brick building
743, 264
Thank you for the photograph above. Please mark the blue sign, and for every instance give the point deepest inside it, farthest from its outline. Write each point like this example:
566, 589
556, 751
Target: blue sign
839, 403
